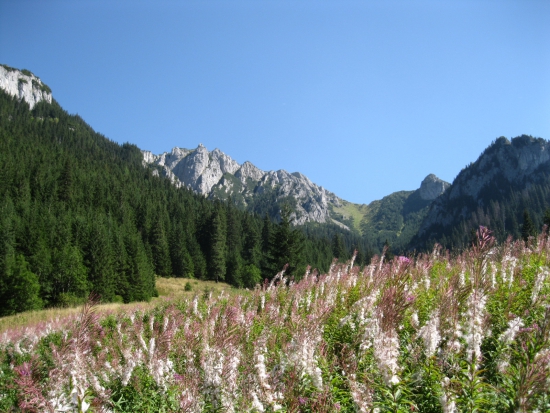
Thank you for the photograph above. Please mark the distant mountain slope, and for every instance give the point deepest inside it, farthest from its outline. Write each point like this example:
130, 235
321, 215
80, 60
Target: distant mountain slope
396, 218
508, 177
216, 175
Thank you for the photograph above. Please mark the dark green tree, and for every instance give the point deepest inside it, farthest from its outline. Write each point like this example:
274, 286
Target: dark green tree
528, 228
19, 287
287, 244
65, 184
265, 261
182, 263
160, 250
70, 283
546, 220
217, 262
252, 250
338, 250
99, 258
388, 253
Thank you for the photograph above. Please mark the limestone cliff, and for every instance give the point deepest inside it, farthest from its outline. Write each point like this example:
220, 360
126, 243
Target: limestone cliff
215, 174
24, 85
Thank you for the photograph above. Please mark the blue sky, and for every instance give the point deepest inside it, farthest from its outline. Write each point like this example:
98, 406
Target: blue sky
363, 97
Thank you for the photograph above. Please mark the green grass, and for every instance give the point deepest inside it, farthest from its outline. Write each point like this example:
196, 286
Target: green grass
350, 212
168, 288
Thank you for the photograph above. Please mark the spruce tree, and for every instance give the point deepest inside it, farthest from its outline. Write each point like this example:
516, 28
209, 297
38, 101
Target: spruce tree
528, 228
546, 220
338, 250
287, 246
388, 254
265, 262
161, 250
252, 242
217, 260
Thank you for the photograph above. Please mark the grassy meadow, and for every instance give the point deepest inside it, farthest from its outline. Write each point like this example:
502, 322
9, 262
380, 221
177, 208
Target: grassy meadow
168, 288
426, 333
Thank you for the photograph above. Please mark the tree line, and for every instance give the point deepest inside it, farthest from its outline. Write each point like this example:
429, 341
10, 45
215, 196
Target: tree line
80, 213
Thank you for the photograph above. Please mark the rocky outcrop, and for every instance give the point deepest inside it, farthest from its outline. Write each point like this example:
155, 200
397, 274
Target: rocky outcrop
24, 85
431, 187
215, 174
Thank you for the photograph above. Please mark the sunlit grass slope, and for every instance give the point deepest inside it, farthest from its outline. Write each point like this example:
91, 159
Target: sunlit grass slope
350, 214
168, 288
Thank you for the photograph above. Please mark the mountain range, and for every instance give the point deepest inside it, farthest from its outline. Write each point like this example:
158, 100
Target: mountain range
216, 175
509, 177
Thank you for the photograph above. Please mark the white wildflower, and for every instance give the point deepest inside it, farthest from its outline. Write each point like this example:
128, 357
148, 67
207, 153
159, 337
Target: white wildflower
475, 324
430, 334
447, 401
414, 320
256, 404
514, 326
386, 353
539, 282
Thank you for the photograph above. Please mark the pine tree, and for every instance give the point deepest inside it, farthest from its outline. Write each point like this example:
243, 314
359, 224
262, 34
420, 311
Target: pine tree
528, 228
99, 257
70, 283
182, 263
252, 242
388, 255
217, 262
265, 261
338, 250
19, 289
160, 250
546, 220
286, 246
65, 185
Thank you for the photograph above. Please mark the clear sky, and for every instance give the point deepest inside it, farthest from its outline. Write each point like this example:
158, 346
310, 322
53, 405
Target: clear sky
363, 97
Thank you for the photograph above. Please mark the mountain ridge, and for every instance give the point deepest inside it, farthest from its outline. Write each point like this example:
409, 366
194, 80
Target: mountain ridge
216, 175
509, 177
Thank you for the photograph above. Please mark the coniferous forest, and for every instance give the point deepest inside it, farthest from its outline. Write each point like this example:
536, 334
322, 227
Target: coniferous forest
80, 213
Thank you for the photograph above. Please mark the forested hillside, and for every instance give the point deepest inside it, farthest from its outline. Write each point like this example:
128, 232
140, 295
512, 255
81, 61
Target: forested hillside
507, 189
80, 213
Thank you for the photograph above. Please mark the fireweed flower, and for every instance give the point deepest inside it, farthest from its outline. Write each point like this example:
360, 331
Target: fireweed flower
475, 324
514, 326
539, 282
301, 355
447, 401
430, 334
386, 353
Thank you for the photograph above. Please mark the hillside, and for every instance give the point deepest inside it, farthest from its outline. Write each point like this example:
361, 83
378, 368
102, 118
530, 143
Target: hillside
79, 213
396, 218
509, 178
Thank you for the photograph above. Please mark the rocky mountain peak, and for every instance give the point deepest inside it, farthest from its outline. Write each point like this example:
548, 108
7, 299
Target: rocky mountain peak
24, 85
216, 175
431, 187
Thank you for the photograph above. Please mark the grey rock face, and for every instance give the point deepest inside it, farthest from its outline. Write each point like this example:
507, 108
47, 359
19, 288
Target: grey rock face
207, 172
30, 88
431, 187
